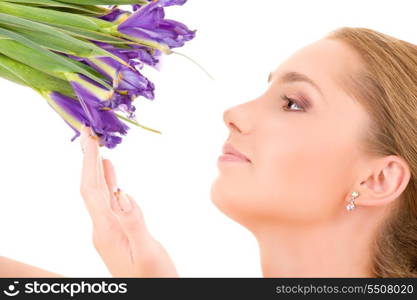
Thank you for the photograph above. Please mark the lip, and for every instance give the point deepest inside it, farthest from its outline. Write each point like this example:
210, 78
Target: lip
230, 153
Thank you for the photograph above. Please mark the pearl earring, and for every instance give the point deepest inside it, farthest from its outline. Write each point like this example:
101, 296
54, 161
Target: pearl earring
351, 204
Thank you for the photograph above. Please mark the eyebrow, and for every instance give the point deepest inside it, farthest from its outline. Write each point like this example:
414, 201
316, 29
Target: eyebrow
294, 77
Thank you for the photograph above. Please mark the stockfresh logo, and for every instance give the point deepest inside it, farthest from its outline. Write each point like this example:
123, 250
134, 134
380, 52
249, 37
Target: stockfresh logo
12, 290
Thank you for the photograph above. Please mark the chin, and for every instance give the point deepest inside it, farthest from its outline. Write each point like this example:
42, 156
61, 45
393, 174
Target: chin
232, 202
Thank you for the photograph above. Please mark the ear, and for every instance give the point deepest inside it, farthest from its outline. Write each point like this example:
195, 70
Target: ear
388, 179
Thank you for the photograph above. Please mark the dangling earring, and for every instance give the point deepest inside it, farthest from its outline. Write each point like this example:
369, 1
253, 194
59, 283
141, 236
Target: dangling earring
351, 204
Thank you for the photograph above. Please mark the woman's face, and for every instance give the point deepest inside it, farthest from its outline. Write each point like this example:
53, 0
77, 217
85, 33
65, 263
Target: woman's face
303, 153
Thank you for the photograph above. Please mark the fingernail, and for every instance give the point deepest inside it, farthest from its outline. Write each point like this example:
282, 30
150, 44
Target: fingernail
91, 132
116, 191
124, 202
83, 141
93, 135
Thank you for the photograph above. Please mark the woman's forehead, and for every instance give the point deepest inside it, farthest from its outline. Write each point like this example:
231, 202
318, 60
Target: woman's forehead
323, 64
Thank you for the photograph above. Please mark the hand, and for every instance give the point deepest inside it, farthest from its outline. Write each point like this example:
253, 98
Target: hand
119, 231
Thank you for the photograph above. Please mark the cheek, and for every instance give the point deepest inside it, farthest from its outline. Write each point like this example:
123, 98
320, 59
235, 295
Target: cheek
302, 180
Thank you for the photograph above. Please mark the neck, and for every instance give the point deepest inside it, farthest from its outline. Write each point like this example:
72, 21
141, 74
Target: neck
333, 249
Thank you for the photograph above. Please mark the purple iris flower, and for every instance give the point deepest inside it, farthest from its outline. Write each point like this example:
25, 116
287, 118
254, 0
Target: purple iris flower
104, 122
132, 82
123, 103
128, 83
125, 79
101, 119
136, 55
115, 15
136, 6
148, 23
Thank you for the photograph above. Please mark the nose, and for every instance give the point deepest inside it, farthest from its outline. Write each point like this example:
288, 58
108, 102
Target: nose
237, 119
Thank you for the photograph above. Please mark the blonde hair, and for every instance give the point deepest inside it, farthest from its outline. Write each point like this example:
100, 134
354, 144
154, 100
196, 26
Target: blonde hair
386, 86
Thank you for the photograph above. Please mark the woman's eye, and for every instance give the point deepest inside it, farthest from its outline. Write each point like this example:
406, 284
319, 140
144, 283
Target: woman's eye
291, 104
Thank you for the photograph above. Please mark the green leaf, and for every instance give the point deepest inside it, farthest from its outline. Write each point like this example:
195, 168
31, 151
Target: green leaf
30, 53
13, 70
93, 35
7, 74
53, 17
49, 35
105, 2
89, 69
91, 9
56, 44
65, 32
52, 43
136, 123
54, 39
76, 11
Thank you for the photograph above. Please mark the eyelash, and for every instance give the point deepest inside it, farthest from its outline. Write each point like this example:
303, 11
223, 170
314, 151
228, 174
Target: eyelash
292, 101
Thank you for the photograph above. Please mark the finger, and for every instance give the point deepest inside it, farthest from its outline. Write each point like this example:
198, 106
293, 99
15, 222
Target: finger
110, 177
90, 159
132, 222
93, 184
83, 138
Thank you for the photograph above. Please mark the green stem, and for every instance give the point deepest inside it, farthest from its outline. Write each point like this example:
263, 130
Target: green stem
137, 124
207, 73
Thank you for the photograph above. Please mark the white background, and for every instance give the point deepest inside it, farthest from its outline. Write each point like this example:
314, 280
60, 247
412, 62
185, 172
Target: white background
43, 220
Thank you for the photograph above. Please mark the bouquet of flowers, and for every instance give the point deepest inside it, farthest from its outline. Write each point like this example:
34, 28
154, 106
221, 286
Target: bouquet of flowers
84, 56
